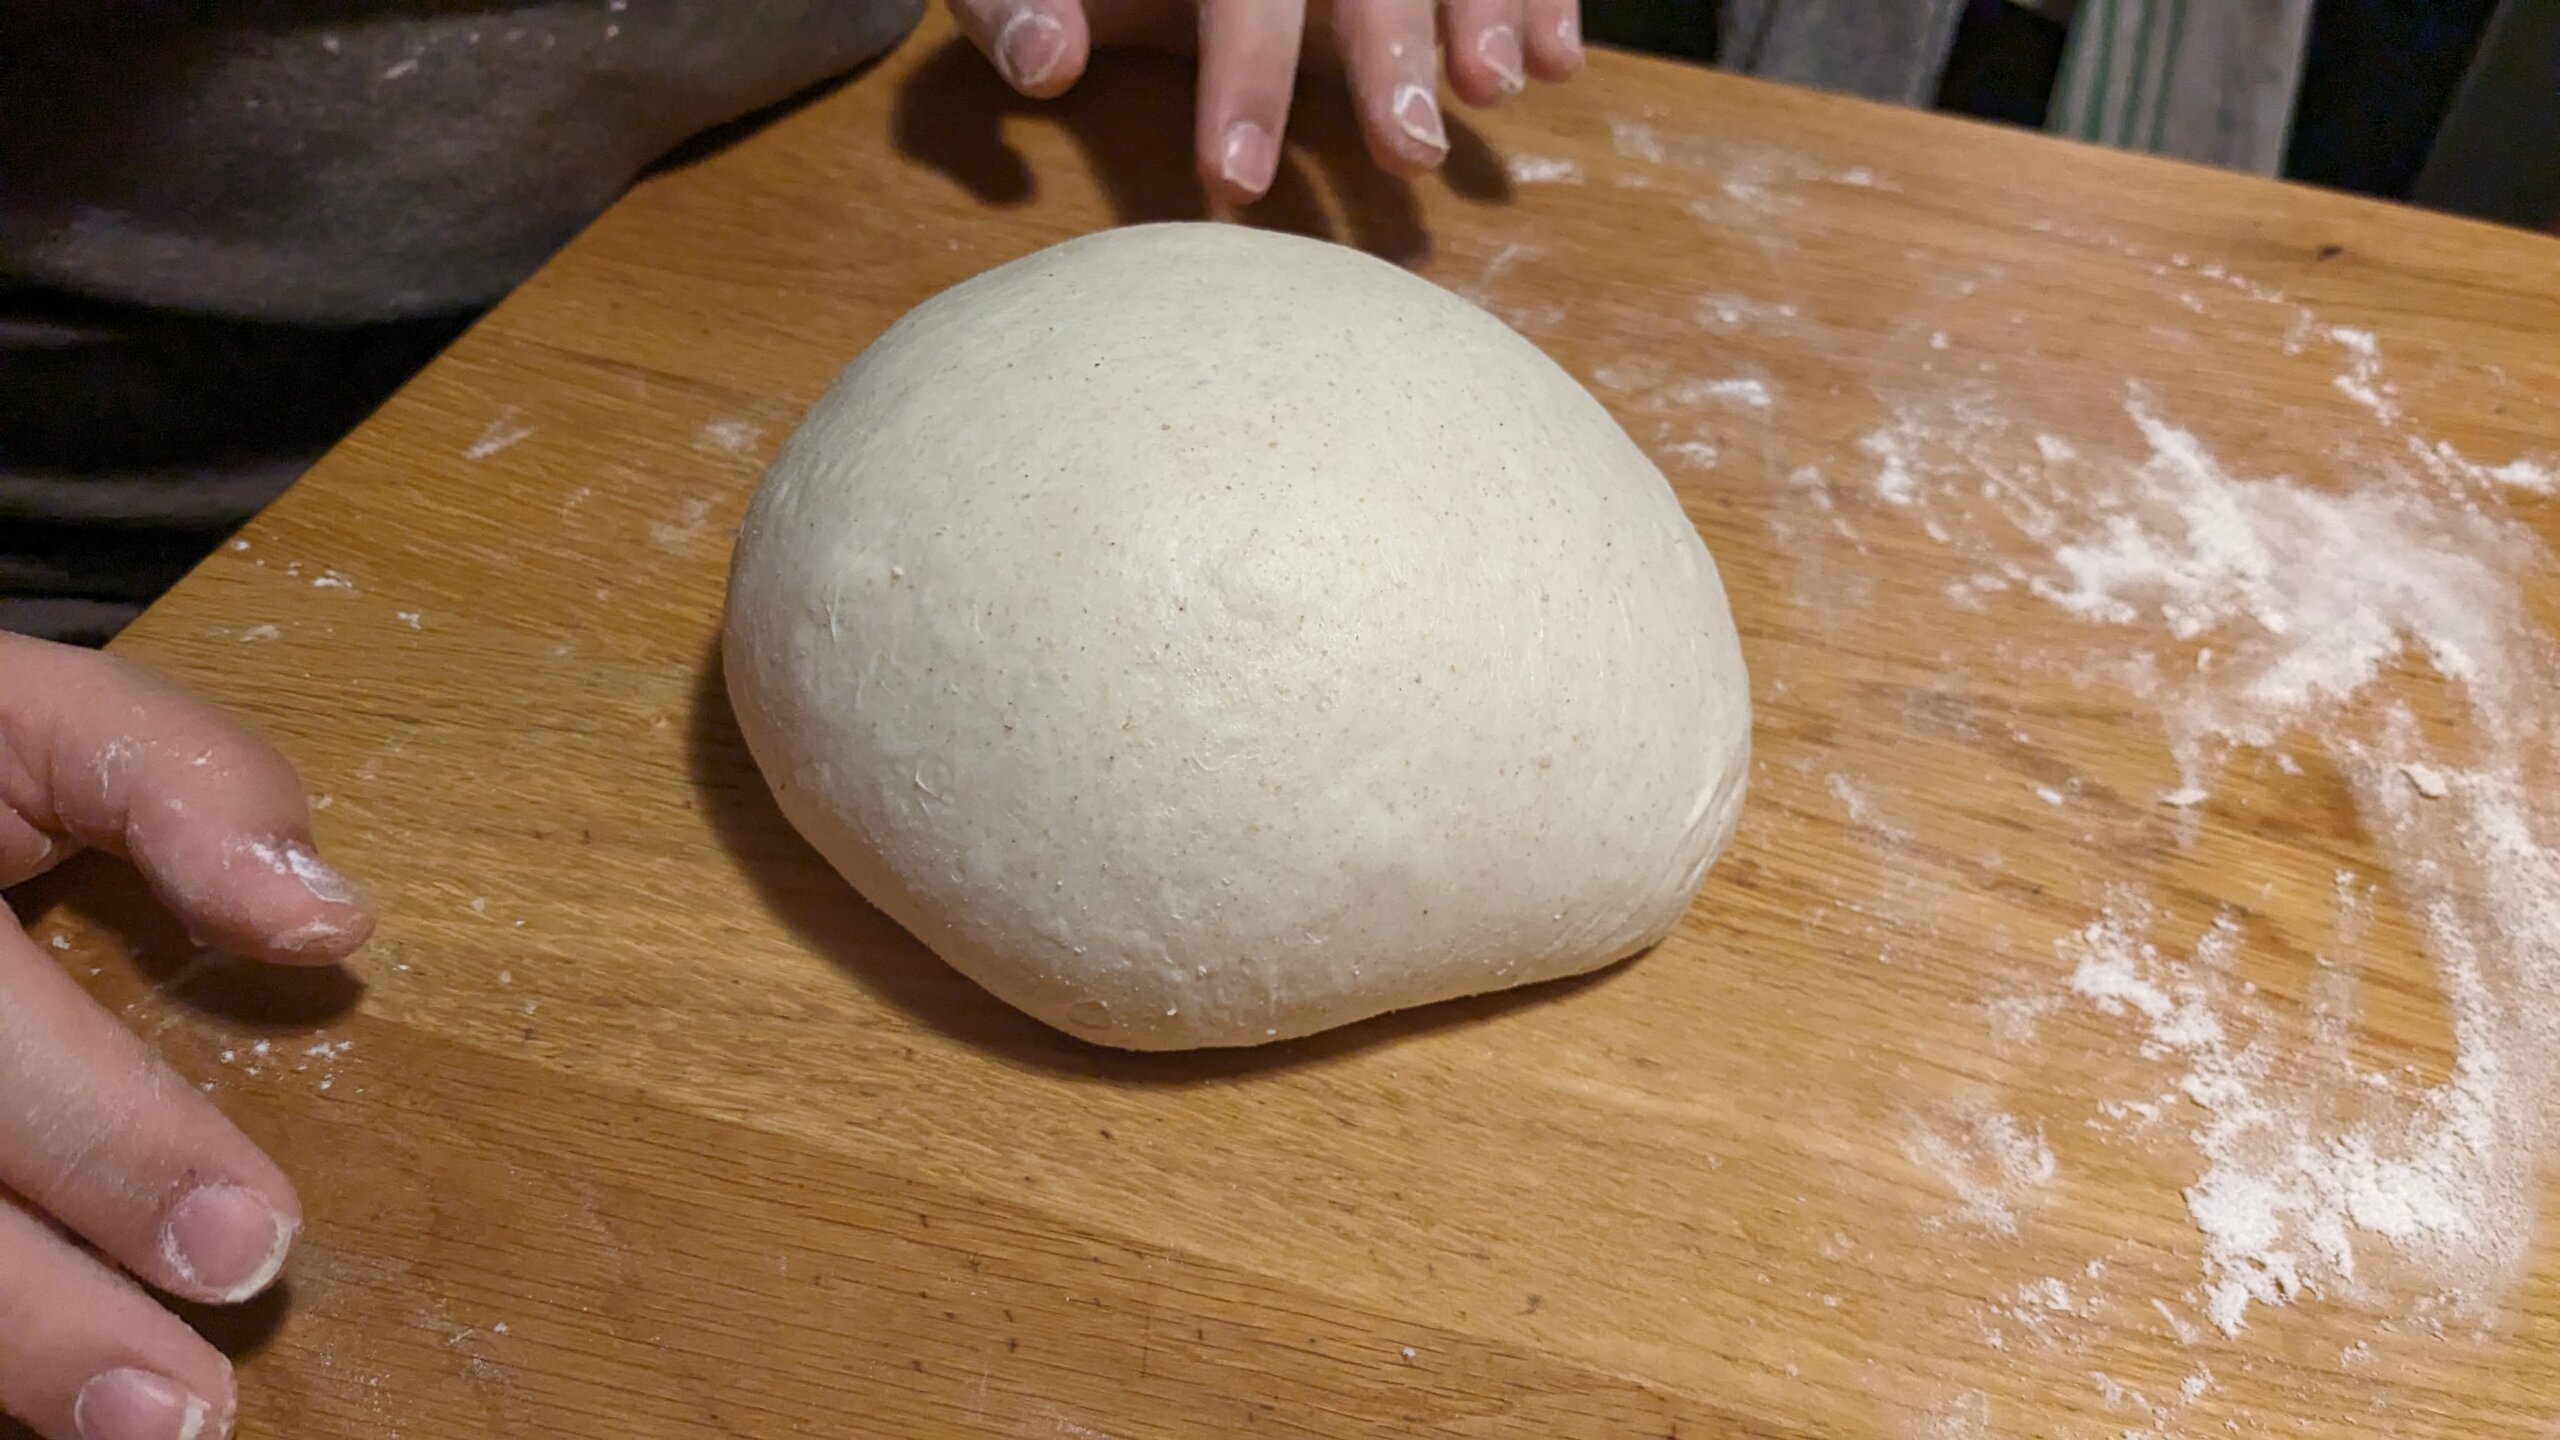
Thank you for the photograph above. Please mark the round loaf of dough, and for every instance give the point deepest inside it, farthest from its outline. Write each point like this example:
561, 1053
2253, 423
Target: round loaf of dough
1200, 636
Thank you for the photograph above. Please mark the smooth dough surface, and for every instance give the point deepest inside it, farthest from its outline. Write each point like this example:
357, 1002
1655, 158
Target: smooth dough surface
1199, 636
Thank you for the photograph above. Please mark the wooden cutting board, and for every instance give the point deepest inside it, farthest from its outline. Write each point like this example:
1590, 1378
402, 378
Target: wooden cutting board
2089, 520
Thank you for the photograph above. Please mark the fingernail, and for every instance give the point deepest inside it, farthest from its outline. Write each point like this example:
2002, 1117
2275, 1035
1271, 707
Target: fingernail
1418, 115
1569, 31
1029, 47
1249, 157
324, 883
1499, 49
225, 1242
138, 1405
317, 935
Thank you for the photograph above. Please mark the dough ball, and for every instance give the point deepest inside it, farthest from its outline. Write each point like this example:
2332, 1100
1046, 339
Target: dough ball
1200, 636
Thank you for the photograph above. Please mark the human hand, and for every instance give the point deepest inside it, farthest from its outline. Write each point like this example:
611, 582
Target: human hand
97, 1136
1249, 59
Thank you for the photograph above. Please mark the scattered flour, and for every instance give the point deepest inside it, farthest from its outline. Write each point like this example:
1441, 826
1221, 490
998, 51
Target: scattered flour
1745, 393
508, 429
1727, 311
2535, 477
688, 522
1636, 142
2527, 475
2320, 589
2281, 1198
2048, 1294
730, 437
1697, 453
1543, 170
2015, 1018
2363, 381
1509, 255
1987, 1160
1748, 185
1861, 810
1894, 482
2301, 601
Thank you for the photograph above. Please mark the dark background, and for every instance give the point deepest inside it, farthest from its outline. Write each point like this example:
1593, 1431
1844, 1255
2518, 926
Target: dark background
2378, 75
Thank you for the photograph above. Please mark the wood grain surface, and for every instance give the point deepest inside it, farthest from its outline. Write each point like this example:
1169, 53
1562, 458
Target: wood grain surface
636, 1123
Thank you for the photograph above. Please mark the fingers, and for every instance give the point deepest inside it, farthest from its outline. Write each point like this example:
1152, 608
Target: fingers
1552, 33
96, 752
98, 1133
1487, 61
1039, 46
90, 1357
94, 1130
1388, 48
1248, 69
25, 851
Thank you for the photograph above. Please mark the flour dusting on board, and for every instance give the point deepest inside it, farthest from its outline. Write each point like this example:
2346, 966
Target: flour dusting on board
2281, 1199
2268, 609
2273, 622
501, 434
1636, 142
729, 436
1543, 170
1987, 1159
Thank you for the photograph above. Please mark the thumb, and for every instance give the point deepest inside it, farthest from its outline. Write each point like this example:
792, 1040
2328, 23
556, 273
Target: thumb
99, 753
